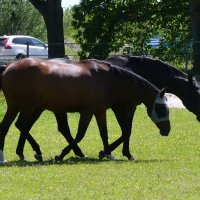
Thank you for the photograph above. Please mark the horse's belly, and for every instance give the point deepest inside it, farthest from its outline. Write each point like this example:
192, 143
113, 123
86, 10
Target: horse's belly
58, 95
75, 103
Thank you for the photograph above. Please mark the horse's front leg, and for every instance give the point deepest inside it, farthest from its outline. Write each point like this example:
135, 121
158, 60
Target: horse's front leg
124, 115
85, 118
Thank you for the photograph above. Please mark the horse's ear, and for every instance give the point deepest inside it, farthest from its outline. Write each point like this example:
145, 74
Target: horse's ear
191, 79
162, 92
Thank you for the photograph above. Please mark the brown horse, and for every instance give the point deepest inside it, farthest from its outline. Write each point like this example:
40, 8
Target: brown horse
88, 87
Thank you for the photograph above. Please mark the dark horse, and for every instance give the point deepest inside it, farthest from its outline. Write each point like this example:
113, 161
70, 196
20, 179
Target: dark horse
89, 87
163, 75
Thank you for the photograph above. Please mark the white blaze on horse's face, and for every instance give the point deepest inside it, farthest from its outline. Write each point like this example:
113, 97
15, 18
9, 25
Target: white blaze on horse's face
160, 112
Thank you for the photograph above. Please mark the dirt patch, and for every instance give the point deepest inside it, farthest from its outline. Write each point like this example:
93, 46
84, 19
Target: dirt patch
173, 101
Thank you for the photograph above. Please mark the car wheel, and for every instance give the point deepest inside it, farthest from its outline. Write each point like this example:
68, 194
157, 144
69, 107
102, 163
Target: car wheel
20, 56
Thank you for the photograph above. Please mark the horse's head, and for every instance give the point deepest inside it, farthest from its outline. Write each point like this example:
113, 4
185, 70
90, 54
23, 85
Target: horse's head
192, 98
160, 114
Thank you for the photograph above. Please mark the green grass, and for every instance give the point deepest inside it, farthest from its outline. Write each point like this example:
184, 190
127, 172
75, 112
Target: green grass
166, 167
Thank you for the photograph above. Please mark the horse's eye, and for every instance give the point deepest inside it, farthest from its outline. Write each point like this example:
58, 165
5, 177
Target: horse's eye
161, 110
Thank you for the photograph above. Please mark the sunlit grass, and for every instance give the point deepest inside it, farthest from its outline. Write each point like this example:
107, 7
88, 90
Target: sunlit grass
166, 167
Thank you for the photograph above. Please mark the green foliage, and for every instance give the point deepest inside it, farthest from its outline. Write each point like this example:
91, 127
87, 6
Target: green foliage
71, 48
69, 30
166, 167
20, 17
107, 26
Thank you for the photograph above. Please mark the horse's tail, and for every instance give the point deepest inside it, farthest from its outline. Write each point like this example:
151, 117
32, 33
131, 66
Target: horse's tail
2, 69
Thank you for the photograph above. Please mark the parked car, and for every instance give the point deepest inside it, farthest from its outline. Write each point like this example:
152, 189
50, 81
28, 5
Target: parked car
154, 42
15, 47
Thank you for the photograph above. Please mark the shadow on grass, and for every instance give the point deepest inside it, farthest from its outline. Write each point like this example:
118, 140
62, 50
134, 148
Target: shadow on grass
75, 161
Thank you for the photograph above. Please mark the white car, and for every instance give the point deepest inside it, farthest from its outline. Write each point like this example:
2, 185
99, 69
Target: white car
21, 46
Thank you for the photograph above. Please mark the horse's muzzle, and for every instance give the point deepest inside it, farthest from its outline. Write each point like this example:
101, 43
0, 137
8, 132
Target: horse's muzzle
198, 118
164, 128
165, 132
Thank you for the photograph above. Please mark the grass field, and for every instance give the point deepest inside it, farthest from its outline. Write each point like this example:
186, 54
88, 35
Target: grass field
166, 167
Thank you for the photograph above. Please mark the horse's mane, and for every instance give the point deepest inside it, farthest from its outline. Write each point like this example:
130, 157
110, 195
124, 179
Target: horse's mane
125, 61
171, 70
127, 74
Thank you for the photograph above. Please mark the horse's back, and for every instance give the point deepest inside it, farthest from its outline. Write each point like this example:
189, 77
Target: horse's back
157, 72
52, 85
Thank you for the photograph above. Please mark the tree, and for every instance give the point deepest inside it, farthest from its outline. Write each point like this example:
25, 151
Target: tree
195, 22
52, 13
105, 26
19, 17
96, 24
67, 25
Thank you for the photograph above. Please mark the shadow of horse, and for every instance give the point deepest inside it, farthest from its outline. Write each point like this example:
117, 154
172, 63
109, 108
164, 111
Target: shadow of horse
76, 161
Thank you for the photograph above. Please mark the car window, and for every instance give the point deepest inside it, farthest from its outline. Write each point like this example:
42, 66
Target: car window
22, 41
2, 41
37, 43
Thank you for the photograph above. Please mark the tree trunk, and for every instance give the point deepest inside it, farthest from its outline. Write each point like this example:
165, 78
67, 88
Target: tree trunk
52, 13
195, 24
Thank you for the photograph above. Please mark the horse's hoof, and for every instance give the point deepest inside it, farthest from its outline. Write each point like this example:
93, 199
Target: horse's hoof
38, 157
101, 154
81, 155
131, 158
21, 157
57, 159
2, 158
3, 161
110, 157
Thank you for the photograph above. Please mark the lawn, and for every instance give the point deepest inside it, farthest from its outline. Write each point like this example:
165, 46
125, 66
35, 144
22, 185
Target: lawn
166, 167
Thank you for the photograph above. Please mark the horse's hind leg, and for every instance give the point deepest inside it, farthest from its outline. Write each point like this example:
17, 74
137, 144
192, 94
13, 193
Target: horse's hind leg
63, 128
22, 138
85, 118
9, 117
101, 121
24, 125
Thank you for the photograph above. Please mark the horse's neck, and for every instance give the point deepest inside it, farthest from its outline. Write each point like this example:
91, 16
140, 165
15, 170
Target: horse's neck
163, 75
177, 86
149, 99
134, 92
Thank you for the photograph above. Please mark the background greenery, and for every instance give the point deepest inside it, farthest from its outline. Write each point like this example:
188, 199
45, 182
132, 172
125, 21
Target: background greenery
166, 167
108, 27
19, 17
